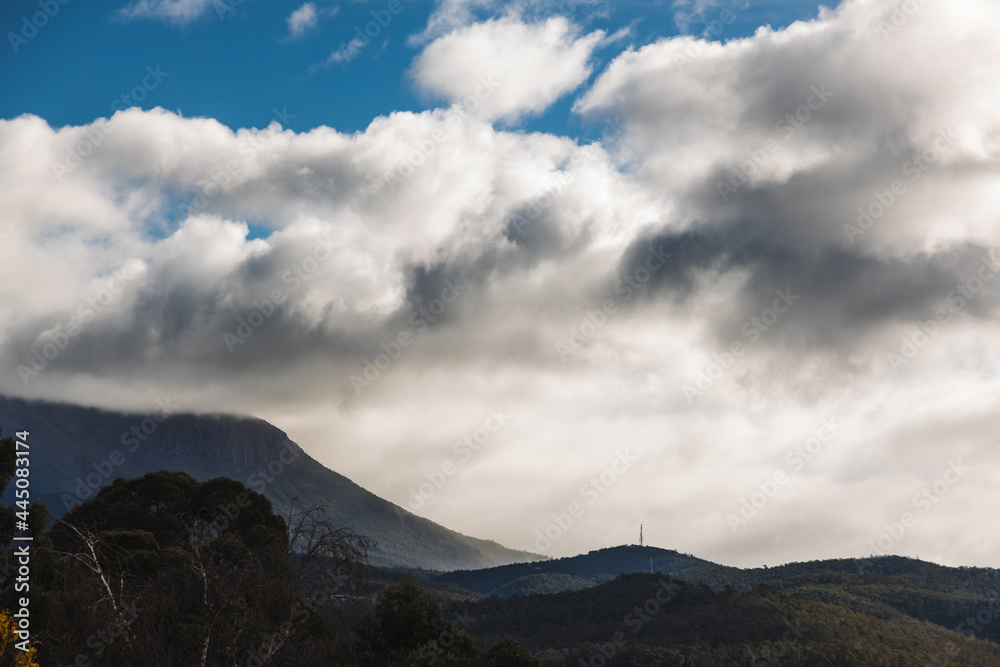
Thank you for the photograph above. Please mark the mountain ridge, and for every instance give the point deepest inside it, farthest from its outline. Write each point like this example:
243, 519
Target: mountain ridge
596, 566
86, 448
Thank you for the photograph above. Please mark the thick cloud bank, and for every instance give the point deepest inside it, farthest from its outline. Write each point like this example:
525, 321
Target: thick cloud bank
779, 264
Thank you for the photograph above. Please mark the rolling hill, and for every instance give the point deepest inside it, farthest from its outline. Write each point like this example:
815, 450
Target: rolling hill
596, 567
654, 619
881, 611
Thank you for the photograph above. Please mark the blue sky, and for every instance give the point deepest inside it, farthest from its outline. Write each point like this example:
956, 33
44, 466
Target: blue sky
241, 67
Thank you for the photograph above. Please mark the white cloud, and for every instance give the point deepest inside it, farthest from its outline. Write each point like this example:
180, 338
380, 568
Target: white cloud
179, 12
696, 112
534, 65
302, 20
449, 15
345, 53
540, 233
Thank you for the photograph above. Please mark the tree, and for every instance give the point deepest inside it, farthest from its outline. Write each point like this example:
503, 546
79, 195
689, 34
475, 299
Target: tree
8, 460
508, 652
324, 562
409, 627
169, 571
8, 654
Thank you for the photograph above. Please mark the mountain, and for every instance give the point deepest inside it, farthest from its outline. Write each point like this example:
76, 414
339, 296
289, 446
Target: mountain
595, 567
654, 619
76, 450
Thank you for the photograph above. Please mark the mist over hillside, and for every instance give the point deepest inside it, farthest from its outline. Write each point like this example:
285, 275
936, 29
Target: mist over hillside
84, 449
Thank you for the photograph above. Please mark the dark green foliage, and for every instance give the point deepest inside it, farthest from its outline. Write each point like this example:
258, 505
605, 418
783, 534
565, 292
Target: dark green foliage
8, 456
408, 627
508, 652
8, 461
174, 508
406, 617
890, 587
163, 570
618, 622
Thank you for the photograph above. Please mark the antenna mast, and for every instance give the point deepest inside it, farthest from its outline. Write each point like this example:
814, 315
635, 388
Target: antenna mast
640, 534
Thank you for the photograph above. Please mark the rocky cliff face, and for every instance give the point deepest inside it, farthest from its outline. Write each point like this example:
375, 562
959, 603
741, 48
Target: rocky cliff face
248, 442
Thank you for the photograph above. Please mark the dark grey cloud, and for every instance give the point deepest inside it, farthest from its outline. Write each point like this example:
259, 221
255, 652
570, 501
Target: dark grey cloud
842, 295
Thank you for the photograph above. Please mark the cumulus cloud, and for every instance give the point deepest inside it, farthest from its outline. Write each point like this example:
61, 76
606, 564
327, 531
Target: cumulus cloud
508, 68
733, 264
822, 115
302, 20
179, 12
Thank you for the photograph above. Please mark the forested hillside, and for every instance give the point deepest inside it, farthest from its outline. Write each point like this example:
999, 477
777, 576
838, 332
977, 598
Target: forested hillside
644, 619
